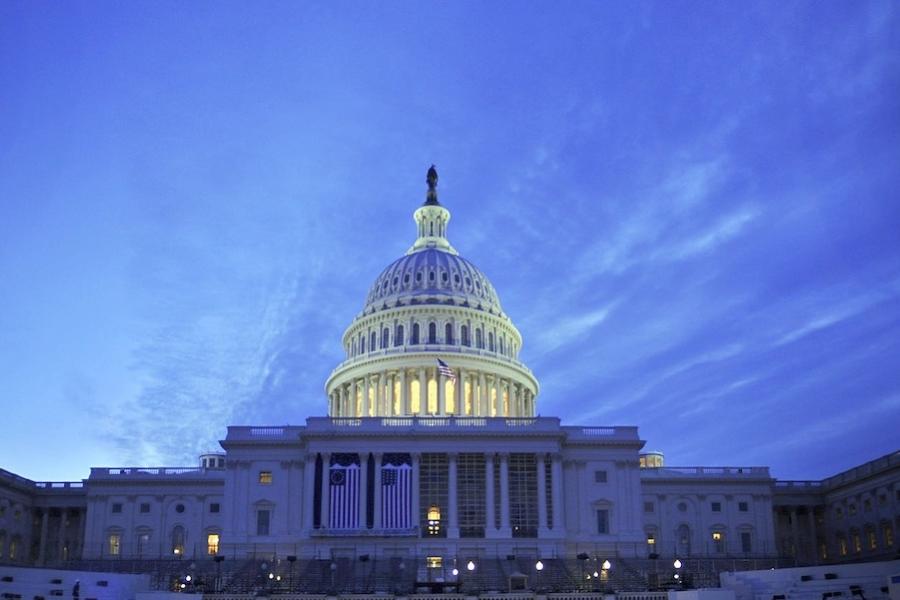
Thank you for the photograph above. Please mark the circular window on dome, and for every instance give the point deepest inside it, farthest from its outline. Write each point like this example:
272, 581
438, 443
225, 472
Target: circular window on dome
179, 508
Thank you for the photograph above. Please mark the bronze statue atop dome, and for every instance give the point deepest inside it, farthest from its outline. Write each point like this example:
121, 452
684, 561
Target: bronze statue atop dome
431, 179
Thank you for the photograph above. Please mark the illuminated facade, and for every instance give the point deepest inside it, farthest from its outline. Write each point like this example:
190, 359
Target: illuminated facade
431, 448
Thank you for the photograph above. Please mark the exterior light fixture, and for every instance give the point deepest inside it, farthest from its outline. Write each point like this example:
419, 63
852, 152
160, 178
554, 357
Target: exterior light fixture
271, 575
596, 574
187, 577
183, 585
470, 565
606, 565
539, 565
455, 571
677, 564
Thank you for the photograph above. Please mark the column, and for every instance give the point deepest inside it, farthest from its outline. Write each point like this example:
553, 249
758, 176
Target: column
353, 393
498, 400
379, 394
326, 463
505, 530
416, 516
482, 396
795, 531
489, 528
63, 512
811, 524
309, 482
42, 550
404, 394
363, 487
542, 495
366, 403
442, 392
390, 394
556, 489
453, 517
461, 393
423, 393
376, 523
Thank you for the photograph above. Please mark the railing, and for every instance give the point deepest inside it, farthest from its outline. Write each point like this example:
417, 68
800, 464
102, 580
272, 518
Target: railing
148, 472
870, 468
799, 484
390, 425
423, 348
41, 485
711, 472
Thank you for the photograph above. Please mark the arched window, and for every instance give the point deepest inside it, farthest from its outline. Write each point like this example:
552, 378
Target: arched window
384, 337
683, 536
502, 349
372, 345
362, 344
432, 333
414, 338
479, 338
178, 540
398, 339
491, 341
142, 539
464, 334
448, 334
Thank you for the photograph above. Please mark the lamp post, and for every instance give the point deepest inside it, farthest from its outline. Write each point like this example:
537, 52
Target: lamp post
538, 567
292, 559
677, 564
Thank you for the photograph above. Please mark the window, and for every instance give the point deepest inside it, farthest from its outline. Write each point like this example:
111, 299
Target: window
602, 520
743, 507
857, 542
143, 543
746, 543
414, 336
882, 499
718, 539
214, 507
432, 333
372, 345
434, 562
464, 334
717, 507
648, 507
852, 509
887, 532
114, 544
178, 540
398, 339
599, 476
842, 545
265, 477
682, 507
117, 508
145, 507
448, 334
212, 543
867, 505
479, 339
651, 541
872, 539
823, 550
262, 522
179, 508
384, 338
491, 341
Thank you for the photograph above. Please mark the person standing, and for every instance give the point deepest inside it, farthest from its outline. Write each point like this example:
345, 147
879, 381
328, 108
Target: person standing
76, 590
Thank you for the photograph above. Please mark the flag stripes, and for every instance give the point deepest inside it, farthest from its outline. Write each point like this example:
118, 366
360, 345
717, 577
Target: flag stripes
445, 370
396, 496
343, 506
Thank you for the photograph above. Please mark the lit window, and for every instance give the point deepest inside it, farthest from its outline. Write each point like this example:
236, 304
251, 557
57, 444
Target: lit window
842, 545
857, 542
823, 550
599, 476
434, 562
602, 520
265, 477
115, 544
743, 507
434, 520
212, 543
717, 536
178, 540
717, 507
887, 532
651, 539
872, 539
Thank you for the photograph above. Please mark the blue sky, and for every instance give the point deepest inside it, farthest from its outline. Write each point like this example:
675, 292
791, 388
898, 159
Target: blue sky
690, 210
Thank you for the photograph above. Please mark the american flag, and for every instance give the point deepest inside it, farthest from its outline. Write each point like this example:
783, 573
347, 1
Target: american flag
343, 507
445, 370
396, 497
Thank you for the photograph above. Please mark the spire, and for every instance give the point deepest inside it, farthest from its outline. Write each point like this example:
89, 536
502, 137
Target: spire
431, 179
431, 220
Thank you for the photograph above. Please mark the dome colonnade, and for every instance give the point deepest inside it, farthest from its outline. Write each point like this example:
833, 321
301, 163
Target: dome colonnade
429, 305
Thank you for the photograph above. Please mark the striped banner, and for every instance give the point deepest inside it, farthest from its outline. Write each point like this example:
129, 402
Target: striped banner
343, 507
396, 496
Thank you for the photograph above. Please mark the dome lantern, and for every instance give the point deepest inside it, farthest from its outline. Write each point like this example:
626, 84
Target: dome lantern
431, 220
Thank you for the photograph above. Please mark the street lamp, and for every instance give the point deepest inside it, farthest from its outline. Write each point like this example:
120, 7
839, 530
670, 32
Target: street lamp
677, 564
538, 567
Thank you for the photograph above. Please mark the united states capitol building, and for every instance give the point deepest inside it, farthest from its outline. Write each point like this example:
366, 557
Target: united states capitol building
432, 453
